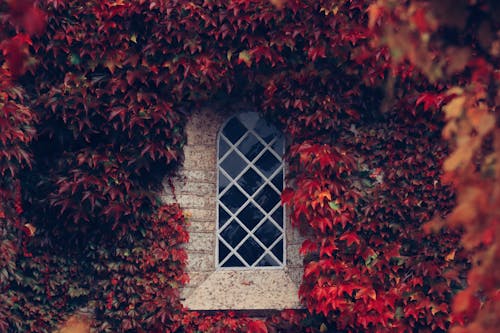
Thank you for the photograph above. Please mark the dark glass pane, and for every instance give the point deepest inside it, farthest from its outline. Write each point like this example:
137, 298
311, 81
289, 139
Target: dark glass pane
223, 217
278, 181
223, 251
223, 147
233, 262
250, 147
234, 130
233, 164
250, 181
233, 234
267, 233
265, 130
233, 199
267, 163
267, 261
223, 181
278, 216
279, 145
278, 250
250, 216
249, 119
267, 198
250, 251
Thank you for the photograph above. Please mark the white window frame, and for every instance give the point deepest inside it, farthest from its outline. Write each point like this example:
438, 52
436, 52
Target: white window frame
250, 198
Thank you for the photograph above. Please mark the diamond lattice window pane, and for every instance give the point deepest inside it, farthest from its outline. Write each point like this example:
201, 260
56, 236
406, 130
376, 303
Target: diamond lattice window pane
250, 184
250, 181
279, 144
265, 131
250, 147
233, 164
268, 163
250, 216
223, 217
233, 199
233, 261
278, 250
267, 233
223, 181
267, 198
278, 216
250, 250
234, 130
249, 119
223, 147
233, 234
267, 261
278, 181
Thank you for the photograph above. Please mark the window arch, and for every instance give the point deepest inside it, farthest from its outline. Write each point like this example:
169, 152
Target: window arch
250, 217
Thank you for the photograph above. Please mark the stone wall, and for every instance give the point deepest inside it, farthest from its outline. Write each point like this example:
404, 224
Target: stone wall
195, 189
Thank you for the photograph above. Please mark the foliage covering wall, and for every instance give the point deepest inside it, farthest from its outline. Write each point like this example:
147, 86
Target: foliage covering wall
94, 124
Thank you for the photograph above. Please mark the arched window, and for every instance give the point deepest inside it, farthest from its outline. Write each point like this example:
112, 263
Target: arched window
250, 221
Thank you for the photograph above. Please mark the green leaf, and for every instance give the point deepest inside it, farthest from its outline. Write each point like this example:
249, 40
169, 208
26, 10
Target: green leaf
370, 260
245, 57
75, 59
333, 205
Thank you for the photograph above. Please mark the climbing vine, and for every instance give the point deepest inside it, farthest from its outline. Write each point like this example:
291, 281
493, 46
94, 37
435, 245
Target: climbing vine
95, 97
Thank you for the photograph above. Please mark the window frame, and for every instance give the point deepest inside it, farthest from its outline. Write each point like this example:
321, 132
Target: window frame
267, 146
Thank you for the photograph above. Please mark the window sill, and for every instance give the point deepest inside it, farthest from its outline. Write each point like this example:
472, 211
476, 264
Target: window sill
245, 290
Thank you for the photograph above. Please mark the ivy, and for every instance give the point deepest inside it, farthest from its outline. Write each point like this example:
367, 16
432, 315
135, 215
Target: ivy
94, 102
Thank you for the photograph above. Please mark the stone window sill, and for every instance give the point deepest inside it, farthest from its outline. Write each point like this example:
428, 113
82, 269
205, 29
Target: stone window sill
245, 290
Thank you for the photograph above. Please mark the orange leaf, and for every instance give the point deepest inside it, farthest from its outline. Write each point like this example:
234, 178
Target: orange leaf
450, 256
482, 121
455, 107
462, 301
458, 158
374, 12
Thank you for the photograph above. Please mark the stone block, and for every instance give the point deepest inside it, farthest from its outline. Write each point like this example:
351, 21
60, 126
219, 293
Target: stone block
201, 136
205, 215
201, 160
293, 257
296, 274
200, 262
196, 278
198, 226
189, 201
293, 235
199, 189
201, 242
200, 176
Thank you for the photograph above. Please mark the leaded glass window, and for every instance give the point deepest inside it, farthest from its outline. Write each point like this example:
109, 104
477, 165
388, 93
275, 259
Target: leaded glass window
250, 231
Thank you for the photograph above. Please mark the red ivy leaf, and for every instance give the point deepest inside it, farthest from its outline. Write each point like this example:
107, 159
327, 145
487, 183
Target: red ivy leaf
430, 100
350, 238
308, 246
257, 327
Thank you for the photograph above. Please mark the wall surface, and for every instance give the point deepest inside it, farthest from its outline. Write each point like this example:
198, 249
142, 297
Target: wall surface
195, 189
